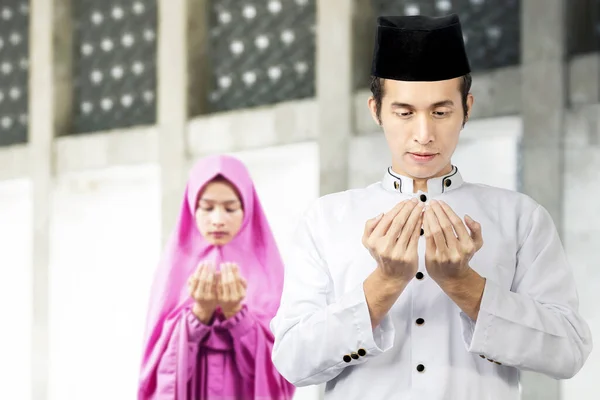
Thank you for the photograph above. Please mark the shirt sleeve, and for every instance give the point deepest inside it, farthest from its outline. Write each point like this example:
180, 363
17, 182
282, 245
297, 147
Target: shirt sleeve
316, 335
536, 325
168, 373
197, 331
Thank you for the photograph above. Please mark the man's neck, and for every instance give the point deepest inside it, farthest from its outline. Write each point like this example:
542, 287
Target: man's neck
421, 183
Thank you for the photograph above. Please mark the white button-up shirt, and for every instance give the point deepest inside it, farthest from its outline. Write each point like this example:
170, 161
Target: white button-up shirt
426, 348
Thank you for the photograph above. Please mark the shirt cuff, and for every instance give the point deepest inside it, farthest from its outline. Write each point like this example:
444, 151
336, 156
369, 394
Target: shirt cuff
240, 324
476, 333
197, 331
371, 341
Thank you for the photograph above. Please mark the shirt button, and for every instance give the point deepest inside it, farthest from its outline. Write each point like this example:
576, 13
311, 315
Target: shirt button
362, 352
420, 368
419, 275
423, 198
422, 232
354, 356
420, 321
448, 182
347, 358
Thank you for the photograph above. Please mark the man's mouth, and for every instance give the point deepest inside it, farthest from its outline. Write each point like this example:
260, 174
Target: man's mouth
422, 156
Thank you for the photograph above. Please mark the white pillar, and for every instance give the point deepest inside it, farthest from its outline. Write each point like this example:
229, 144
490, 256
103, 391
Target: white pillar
544, 99
343, 39
173, 103
49, 115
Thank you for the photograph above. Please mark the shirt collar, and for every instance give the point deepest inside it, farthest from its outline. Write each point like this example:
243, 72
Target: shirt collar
397, 183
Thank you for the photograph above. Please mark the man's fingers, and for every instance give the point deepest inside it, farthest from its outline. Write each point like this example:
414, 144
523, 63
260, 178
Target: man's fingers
370, 225
413, 240
406, 234
435, 230
445, 225
430, 247
400, 220
384, 224
475, 228
457, 223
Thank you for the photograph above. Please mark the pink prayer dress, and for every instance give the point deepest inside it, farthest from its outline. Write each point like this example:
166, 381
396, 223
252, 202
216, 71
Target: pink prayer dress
185, 359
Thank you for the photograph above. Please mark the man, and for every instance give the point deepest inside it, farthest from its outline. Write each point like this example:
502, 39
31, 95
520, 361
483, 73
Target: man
414, 304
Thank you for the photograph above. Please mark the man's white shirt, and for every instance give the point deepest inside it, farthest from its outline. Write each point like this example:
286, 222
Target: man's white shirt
426, 347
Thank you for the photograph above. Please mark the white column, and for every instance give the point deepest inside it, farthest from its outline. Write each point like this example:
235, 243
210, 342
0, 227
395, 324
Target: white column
173, 104
334, 91
345, 31
544, 98
49, 114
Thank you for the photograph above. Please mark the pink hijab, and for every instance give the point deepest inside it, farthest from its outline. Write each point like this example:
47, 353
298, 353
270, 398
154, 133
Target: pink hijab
254, 250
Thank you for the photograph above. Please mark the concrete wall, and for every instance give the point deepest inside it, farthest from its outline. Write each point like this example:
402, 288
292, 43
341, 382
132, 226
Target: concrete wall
581, 233
15, 288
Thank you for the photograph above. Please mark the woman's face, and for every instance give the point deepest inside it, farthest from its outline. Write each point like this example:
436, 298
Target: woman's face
219, 212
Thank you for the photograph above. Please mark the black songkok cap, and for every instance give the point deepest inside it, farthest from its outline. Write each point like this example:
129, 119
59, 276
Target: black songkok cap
419, 48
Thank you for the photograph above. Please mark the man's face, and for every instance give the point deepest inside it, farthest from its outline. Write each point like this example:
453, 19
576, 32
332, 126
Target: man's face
421, 122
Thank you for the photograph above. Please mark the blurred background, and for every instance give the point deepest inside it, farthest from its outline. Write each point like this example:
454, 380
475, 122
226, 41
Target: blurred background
105, 104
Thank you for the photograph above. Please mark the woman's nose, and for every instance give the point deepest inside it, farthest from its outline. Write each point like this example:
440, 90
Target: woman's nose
218, 217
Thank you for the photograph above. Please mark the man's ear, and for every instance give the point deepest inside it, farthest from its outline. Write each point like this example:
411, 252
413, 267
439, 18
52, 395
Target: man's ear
372, 104
470, 100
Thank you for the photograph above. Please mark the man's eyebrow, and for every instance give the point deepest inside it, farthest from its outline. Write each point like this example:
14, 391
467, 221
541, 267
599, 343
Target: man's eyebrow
442, 103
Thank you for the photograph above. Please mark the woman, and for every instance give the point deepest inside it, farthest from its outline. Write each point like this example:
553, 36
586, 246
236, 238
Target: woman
217, 288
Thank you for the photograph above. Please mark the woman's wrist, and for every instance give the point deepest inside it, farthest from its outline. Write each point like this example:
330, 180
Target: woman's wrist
203, 315
232, 312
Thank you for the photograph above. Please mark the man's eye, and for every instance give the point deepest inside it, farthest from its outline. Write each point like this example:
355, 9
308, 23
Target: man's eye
441, 113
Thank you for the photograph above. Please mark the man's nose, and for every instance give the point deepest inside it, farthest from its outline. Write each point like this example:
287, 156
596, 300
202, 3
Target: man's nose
423, 130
